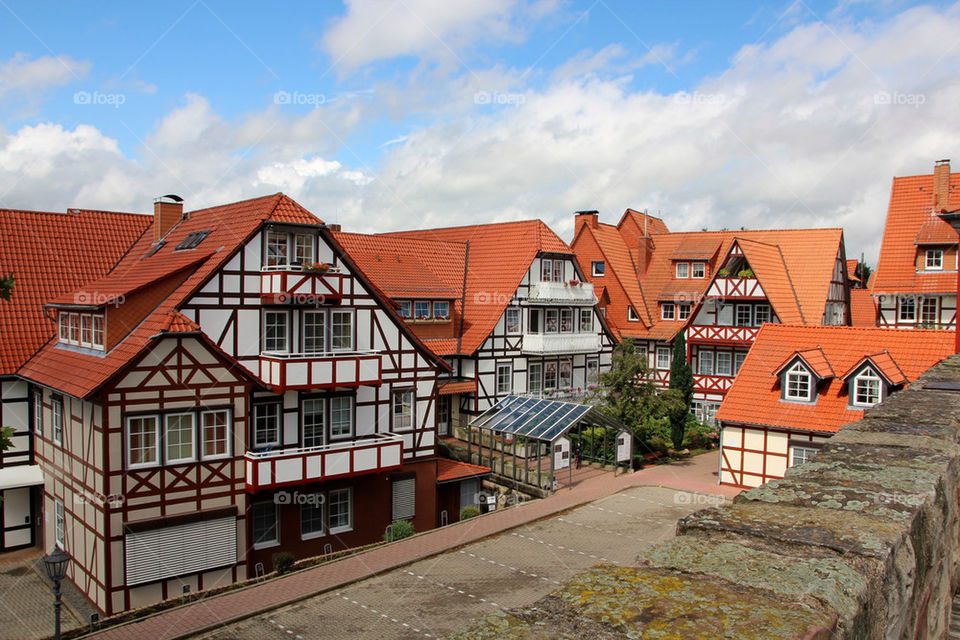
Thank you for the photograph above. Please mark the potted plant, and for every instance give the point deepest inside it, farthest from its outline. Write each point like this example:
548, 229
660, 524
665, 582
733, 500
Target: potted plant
723, 273
316, 267
746, 273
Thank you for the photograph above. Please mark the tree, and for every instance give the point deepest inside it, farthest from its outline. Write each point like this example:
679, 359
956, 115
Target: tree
865, 272
6, 286
681, 381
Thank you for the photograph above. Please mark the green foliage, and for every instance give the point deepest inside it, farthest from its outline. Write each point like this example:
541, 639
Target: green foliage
282, 562
700, 435
681, 381
745, 273
6, 438
865, 272
399, 530
6, 286
724, 273
469, 512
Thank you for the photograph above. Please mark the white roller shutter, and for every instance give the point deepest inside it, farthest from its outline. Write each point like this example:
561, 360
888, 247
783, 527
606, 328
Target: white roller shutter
404, 498
180, 550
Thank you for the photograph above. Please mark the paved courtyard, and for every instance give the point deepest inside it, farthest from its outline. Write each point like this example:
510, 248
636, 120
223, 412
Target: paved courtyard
435, 597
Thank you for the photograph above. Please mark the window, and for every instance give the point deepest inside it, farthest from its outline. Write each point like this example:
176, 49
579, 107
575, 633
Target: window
179, 437
706, 411
266, 424
81, 329
683, 269
276, 249
341, 416
667, 311
341, 325
738, 358
593, 370
441, 309
341, 510
566, 320
663, 357
566, 374
928, 311
64, 326
597, 267
558, 270
553, 320
551, 270
275, 331
512, 320
98, 332
800, 455
705, 363
404, 498
56, 418
59, 524
143, 441
216, 433
311, 516
699, 270
313, 332
550, 375
266, 530
744, 316
303, 248
535, 377
683, 311
421, 309
504, 378
406, 308
403, 409
866, 388
761, 314
314, 429
798, 385
724, 363
586, 320
908, 309
533, 321
86, 330
38, 412
74, 329
934, 259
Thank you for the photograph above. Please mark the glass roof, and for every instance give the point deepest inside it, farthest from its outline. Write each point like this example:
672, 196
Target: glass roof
540, 419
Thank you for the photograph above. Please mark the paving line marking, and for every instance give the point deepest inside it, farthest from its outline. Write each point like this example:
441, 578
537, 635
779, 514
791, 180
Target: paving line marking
284, 629
383, 615
500, 564
590, 526
563, 548
450, 588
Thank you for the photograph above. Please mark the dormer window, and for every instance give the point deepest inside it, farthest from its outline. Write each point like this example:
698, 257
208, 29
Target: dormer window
421, 309
908, 309
405, 308
598, 268
668, 311
632, 314
934, 260
699, 270
81, 329
283, 249
683, 269
551, 270
441, 309
867, 388
798, 384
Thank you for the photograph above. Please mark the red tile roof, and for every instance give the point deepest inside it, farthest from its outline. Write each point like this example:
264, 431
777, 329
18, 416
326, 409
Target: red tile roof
451, 470
911, 219
176, 322
863, 308
51, 254
79, 374
884, 363
754, 398
814, 358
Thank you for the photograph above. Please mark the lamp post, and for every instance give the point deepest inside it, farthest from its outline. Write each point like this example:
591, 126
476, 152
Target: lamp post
55, 565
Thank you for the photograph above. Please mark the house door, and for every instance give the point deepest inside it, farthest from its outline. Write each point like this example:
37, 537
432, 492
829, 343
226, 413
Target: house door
561, 454
17, 528
443, 415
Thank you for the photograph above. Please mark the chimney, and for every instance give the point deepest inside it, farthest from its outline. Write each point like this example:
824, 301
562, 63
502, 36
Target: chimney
167, 212
941, 185
588, 218
644, 253
335, 228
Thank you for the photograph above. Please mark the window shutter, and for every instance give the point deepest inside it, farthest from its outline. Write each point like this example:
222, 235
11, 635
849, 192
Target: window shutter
180, 550
404, 498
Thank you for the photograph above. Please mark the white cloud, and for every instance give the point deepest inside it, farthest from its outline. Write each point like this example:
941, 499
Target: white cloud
21, 75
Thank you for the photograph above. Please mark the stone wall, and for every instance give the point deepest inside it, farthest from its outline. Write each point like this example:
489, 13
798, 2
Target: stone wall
860, 542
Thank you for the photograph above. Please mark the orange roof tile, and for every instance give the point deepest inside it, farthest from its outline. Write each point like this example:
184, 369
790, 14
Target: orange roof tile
176, 322
814, 358
754, 398
911, 219
770, 269
884, 363
863, 308
451, 470
852, 266
457, 386
50, 254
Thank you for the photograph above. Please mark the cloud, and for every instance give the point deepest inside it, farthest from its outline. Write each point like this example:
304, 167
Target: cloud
21, 75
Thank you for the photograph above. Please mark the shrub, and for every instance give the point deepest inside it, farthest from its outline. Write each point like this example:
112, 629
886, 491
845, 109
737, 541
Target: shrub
399, 530
282, 562
469, 512
746, 273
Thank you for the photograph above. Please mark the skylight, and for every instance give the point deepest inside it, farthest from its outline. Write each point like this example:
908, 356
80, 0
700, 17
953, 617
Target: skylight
192, 240
156, 247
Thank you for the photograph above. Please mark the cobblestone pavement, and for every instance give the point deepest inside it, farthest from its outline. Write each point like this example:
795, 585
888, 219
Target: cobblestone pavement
26, 601
434, 597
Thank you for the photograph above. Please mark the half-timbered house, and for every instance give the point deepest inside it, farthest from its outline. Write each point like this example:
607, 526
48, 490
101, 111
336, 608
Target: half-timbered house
233, 388
915, 282
801, 383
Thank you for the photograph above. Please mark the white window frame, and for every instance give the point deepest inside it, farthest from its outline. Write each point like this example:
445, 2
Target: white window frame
743, 320
38, 412
322, 413
156, 442
683, 310
336, 404
869, 378
314, 502
664, 356
768, 311
441, 305
903, 306
406, 309
271, 241
794, 379
586, 320
99, 331
668, 311
59, 524
322, 336
86, 330
277, 415
504, 380
304, 257
227, 433
403, 399
63, 325
269, 542
332, 498
799, 455
592, 371
566, 320
534, 375
551, 322
57, 418
269, 342
925, 317
511, 320
933, 260
682, 270
568, 365
334, 314
738, 358
192, 456
598, 268
698, 268
705, 360
547, 384
723, 363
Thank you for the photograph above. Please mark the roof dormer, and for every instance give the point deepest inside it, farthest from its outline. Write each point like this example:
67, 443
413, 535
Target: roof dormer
801, 373
872, 379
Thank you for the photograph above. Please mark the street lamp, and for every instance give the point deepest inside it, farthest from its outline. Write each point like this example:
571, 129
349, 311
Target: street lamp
55, 565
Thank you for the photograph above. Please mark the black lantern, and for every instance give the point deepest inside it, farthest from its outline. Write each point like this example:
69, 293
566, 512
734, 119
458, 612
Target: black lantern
55, 564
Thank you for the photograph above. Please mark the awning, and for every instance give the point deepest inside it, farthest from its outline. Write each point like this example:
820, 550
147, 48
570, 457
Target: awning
27, 475
544, 420
454, 470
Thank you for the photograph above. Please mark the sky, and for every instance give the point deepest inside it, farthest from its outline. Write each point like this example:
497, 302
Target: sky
394, 114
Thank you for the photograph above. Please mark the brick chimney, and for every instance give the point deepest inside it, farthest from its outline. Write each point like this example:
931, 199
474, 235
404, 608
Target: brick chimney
644, 253
167, 212
941, 185
588, 218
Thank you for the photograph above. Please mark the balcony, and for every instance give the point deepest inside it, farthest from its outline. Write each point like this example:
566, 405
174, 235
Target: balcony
562, 293
712, 384
715, 334
560, 343
286, 467
289, 371
736, 289
291, 284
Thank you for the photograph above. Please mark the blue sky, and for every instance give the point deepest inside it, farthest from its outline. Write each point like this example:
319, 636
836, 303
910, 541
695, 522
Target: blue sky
387, 114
